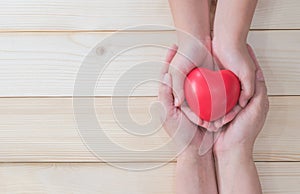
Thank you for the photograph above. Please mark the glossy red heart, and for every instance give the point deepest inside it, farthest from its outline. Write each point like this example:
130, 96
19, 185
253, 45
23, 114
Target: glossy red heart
211, 94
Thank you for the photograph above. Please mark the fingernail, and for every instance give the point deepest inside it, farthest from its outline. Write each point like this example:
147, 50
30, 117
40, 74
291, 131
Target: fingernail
243, 104
176, 102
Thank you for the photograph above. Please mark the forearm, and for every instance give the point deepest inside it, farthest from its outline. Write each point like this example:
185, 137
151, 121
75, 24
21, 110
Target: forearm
237, 173
232, 21
191, 16
195, 174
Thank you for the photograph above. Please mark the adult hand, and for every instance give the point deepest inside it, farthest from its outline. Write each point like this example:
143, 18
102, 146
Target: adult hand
194, 173
177, 60
243, 130
233, 147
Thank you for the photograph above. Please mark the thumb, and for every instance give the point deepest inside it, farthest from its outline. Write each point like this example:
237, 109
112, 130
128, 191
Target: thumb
171, 53
178, 91
178, 70
165, 95
247, 84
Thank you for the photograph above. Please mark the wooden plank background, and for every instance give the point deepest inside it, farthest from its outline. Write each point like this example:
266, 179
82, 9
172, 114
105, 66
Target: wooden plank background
46, 64
46, 131
90, 15
283, 177
43, 44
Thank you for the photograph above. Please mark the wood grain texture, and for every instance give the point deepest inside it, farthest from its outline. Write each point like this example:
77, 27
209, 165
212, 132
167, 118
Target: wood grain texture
46, 64
34, 15
44, 130
276, 178
43, 44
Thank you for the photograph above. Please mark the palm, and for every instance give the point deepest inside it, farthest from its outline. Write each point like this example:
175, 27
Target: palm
177, 125
176, 122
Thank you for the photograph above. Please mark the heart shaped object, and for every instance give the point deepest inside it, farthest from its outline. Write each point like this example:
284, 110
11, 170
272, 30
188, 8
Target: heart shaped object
211, 94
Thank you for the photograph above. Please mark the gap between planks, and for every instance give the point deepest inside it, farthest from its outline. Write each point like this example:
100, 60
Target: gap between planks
120, 30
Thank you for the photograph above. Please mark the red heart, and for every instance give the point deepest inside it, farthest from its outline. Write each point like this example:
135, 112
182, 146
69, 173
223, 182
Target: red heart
211, 94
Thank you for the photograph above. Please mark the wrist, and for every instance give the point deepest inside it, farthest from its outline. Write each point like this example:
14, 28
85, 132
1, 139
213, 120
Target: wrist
195, 174
224, 51
188, 42
220, 45
223, 35
235, 153
194, 50
236, 171
192, 154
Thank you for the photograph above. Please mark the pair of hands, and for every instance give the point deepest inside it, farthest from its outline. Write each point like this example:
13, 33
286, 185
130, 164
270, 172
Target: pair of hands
229, 166
235, 58
242, 130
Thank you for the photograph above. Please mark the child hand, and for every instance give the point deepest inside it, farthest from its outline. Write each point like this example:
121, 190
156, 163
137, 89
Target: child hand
190, 54
185, 133
237, 59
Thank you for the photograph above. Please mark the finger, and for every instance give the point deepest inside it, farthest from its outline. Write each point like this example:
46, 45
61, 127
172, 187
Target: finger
178, 74
191, 115
171, 53
210, 126
218, 123
228, 117
231, 115
165, 94
247, 92
260, 89
169, 57
195, 119
259, 103
260, 97
247, 84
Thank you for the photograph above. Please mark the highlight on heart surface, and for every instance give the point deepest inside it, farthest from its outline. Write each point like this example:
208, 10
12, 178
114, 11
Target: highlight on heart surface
211, 94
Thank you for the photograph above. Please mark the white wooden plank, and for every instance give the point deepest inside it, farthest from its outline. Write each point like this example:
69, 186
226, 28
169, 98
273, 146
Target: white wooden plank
117, 14
279, 177
44, 130
276, 178
276, 14
46, 64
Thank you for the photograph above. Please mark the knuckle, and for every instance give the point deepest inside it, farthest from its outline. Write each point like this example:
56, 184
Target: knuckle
247, 94
248, 89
